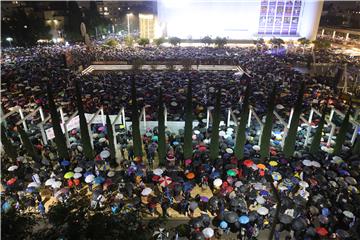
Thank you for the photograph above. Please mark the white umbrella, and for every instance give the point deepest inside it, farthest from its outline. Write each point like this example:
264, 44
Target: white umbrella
348, 214
307, 163
49, 182
80, 148
258, 186
105, 154
208, 232
217, 182
260, 199
262, 211
303, 184
77, 175
158, 172
196, 132
33, 184
279, 106
315, 164
222, 133
78, 169
146, 191
12, 168
256, 147
111, 174
89, 178
229, 150
56, 184
238, 184
254, 167
337, 158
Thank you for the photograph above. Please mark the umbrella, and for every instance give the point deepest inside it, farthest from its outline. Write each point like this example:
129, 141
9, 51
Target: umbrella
264, 193
204, 199
303, 184
89, 178
348, 214
217, 182
49, 182
229, 150
111, 174
197, 236
299, 224
285, 219
256, 147
315, 164
307, 163
321, 231
77, 175
31, 189
223, 224
351, 180
276, 176
190, 175
214, 174
230, 217
33, 184
262, 210
61, 191
260, 199
231, 172
99, 180
261, 166
12, 168
158, 172
165, 181
193, 205
238, 184
208, 232
68, 175
342, 234
65, 163
11, 181
273, 163
146, 191
105, 154
244, 219
56, 184
248, 163
78, 169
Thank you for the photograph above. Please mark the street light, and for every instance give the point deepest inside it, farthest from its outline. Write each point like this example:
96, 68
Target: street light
9, 39
128, 22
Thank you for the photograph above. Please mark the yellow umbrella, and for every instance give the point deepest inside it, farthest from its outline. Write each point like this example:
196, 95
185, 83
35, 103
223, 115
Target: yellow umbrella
68, 175
273, 163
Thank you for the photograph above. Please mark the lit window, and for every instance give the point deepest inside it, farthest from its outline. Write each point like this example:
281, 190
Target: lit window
100, 9
105, 8
119, 8
106, 13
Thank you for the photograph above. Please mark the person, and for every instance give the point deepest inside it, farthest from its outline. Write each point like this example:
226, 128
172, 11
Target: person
164, 207
41, 208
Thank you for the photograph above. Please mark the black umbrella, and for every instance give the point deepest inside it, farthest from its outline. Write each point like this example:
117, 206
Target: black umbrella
196, 222
252, 216
342, 234
331, 174
323, 219
197, 236
214, 201
205, 220
285, 219
314, 210
299, 224
311, 232
230, 217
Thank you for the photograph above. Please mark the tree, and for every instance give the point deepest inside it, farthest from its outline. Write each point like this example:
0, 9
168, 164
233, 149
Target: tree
161, 126
289, 146
315, 144
97, 24
135, 120
16, 226
9, 148
137, 64
174, 41
170, 66
207, 40
110, 133
72, 27
84, 130
356, 146
112, 43
143, 41
129, 41
55, 120
220, 42
214, 144
266, 132
159, 41
304, 42
322, 44
340, 139
277, 42
29, 147
241, 129
187, 65
188, 123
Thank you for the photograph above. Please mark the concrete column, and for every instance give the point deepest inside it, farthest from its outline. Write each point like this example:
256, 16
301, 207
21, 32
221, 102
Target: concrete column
102, 116
291, 115
332, 131
43, 134
41, 114
334, 34
353, 138
249, 118
347, 37
228, 117
207, 118
22, 117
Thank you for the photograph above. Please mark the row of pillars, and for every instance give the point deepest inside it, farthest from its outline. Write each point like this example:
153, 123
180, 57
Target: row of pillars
334, 34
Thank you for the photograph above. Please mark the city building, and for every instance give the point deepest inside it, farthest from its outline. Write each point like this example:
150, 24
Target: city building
239, 19
147, 26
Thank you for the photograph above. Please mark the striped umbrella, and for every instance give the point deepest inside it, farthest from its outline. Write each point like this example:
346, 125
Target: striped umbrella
165, 181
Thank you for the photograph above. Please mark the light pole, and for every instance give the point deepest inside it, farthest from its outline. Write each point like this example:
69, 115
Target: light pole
128, 22
9, 39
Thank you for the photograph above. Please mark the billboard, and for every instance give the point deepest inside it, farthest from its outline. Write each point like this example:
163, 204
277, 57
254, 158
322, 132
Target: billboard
239, 19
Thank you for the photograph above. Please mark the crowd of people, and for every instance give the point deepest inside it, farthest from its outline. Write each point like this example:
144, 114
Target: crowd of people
318, 192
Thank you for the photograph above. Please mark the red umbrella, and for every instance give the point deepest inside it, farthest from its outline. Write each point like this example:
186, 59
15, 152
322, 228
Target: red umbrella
248, 163
229, 189
11, 181
155, 178
165, 181
322, 231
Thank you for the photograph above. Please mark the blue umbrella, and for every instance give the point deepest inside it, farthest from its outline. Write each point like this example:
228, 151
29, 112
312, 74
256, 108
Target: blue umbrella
223, 224
31, 190
87, 174
176, 143
99, 180
244, 219
344, 172
264, 193
6, 207
214, 175
188, 186
65, 163
325, 212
